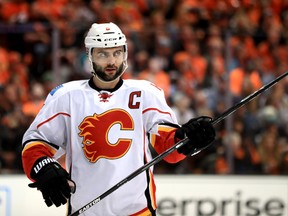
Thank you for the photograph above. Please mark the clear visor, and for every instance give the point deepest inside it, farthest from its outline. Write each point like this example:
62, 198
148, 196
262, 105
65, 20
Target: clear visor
108, 55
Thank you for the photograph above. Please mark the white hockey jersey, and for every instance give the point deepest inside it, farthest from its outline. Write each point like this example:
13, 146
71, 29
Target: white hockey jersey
105, 136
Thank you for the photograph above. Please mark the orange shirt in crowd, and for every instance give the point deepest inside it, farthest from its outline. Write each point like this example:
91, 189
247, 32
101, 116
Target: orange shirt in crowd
4, 64
13, 10
237, 77
31, 108
192, 67
198, 66
160, 79
4, 77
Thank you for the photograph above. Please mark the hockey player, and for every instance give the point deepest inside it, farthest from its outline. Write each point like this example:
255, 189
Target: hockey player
105, 125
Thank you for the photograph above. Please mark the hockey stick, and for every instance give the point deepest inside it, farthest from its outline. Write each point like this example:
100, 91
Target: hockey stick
159, 157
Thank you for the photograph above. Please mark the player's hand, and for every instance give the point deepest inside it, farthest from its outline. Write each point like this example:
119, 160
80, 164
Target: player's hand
200, 133
52, 181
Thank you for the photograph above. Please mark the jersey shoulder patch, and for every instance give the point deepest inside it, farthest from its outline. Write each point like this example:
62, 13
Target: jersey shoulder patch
55, 89
69, 86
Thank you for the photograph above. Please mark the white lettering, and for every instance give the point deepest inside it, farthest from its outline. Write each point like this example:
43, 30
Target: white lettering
89, 205
209, 207
110, 39
42, 163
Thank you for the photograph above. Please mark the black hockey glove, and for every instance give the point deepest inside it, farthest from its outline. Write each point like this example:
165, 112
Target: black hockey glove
52, 181
200, 133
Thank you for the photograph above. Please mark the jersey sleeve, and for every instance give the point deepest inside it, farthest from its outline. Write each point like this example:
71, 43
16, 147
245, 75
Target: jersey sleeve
160, 123
48, 132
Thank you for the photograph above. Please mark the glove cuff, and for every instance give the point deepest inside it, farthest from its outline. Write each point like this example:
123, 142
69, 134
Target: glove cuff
40, 164
179, 134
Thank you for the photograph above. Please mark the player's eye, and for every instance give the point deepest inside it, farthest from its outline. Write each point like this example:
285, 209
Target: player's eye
102, 55
117, 53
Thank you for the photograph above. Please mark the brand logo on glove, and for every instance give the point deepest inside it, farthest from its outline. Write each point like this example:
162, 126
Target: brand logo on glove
42, 163
96, 131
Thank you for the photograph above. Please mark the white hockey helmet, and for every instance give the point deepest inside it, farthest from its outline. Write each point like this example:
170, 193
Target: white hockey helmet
105, 35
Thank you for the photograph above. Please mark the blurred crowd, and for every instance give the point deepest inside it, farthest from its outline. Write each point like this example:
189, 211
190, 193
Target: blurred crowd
206, 55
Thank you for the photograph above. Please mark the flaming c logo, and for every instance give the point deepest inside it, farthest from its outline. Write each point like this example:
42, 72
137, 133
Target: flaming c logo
95, 130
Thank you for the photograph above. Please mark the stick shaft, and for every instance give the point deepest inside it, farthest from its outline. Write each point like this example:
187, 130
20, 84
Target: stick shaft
248, 98
242, 103
159, 157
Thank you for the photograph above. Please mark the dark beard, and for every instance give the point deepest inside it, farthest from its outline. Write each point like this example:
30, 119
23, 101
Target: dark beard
99, 72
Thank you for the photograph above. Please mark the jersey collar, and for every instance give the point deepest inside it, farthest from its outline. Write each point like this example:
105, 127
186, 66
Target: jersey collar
92, 85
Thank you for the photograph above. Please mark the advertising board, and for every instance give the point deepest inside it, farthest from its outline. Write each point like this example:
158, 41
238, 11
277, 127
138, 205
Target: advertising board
177, 195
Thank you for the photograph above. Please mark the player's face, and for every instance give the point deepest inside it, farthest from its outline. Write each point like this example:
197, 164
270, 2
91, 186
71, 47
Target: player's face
108, 62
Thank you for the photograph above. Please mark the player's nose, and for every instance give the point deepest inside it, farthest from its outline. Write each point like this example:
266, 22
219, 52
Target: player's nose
111, 60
